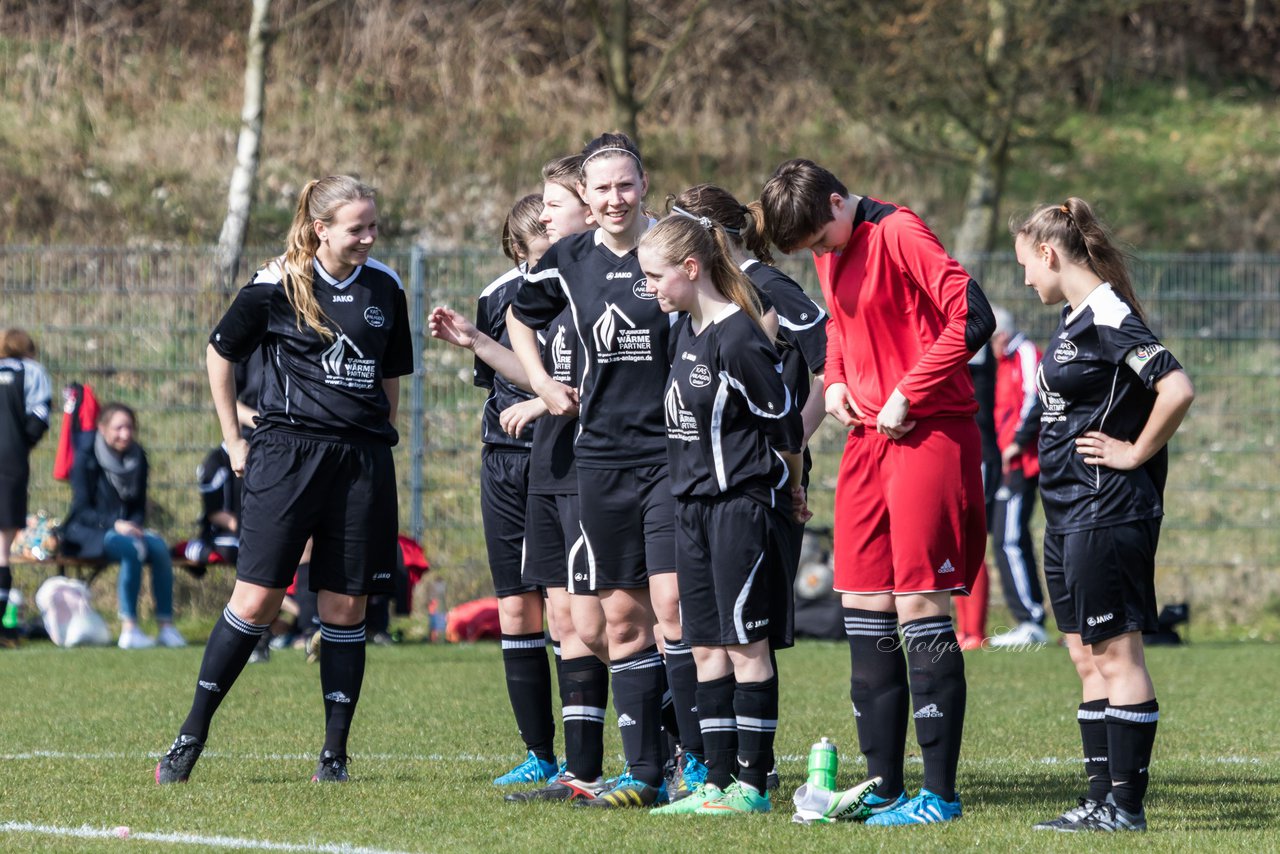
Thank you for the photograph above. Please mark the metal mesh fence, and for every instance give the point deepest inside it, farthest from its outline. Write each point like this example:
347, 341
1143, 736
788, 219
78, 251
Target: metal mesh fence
133, 323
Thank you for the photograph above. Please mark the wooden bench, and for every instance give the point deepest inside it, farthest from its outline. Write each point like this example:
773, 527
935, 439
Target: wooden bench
85, 569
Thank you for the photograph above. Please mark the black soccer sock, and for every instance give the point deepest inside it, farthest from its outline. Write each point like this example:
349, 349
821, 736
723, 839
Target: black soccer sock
881, 699
225, 654
938, 693
341, 675
524, 658
1093, 738
755, 706
1131, 731
637, 698
584, 690
682, 679
6, 584
719, 727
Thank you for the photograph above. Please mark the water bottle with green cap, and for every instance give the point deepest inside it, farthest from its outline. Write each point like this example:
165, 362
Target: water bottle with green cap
823, 764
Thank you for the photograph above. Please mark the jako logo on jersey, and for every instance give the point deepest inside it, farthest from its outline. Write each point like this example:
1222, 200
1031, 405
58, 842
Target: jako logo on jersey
929, 711
641, 289
1095, 621
374, 317
947, 566
1065, 353
625, 720
381, 576
337, 697
700, 376
618, 274
343, 298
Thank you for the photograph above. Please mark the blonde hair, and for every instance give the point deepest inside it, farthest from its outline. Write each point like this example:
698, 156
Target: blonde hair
678, 237
1084, 240
319, 200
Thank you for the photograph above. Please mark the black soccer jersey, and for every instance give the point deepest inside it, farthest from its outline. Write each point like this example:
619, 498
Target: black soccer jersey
623, 336
552, 468
25, 394
1097, 374
491, 319
315, 387
802, 332
724, 390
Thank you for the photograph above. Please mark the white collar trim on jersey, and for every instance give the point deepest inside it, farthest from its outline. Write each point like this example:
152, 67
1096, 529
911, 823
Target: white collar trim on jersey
747, 264
324, 274
726, 312
1097, 293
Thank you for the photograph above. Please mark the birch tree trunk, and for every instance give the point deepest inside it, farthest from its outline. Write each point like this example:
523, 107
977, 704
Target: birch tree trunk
245, 174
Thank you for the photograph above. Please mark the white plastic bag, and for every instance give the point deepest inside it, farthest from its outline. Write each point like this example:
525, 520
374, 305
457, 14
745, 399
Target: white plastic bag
68, 614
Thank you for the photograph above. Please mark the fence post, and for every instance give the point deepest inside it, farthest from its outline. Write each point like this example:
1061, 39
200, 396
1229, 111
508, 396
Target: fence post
417, 399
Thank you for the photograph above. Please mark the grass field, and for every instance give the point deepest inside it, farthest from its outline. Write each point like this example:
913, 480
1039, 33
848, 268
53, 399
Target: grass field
81, 731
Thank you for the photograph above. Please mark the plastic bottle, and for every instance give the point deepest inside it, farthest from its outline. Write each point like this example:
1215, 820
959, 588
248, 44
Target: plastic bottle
823, 764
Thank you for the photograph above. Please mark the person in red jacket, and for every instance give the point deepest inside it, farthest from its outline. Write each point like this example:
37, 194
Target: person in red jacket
1017, 417
910, 526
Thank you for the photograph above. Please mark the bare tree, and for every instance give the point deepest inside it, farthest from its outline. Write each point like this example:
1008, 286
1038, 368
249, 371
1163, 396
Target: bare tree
966, 83
615, 35
245, 174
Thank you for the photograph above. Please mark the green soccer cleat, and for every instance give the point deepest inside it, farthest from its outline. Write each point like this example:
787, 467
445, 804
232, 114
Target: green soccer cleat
692, 802
737, 800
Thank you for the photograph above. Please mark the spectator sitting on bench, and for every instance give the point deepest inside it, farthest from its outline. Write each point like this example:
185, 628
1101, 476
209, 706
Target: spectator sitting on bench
108, 510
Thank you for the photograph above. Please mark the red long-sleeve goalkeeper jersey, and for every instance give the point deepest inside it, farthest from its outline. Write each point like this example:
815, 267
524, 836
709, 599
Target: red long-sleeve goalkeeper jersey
903, 313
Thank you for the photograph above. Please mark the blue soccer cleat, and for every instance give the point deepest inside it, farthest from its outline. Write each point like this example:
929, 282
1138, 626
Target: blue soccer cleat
531, 770
924, 808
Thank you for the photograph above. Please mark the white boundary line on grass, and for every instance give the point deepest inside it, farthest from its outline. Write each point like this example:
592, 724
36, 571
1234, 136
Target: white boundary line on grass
32, 755
87, 832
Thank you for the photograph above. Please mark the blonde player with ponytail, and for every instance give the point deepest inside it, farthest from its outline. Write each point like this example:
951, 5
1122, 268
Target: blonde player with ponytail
733, 483
331, 327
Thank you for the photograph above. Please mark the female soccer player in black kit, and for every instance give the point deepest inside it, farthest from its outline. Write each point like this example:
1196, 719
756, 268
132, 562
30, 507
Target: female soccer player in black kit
1113, 396
627, 508
334, 324
733, 482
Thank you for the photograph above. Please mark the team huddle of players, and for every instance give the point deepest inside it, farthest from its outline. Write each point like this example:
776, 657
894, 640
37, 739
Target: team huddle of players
653, 386
654, 383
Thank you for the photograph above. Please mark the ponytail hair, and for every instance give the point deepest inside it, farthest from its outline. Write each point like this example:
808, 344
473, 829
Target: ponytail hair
741, 226
1082, 239
678, 237
319, 200
521, 226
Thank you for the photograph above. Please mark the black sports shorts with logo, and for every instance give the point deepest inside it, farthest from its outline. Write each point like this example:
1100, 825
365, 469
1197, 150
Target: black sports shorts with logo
504, 494
555, 553
628, 520
730, 562
1102, 581
341, 493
